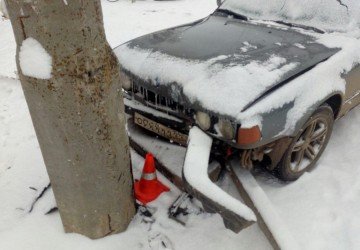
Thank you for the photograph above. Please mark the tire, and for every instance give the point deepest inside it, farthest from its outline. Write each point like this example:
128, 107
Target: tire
308, 145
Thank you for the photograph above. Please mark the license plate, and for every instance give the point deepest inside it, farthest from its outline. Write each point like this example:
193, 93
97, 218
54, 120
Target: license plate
160, 129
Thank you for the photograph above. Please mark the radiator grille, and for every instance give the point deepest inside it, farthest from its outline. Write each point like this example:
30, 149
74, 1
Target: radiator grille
155, 100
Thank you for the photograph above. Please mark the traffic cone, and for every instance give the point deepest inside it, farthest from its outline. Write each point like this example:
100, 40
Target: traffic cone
149, 188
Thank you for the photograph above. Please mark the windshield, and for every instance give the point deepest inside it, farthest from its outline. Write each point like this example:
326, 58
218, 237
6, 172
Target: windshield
329, 15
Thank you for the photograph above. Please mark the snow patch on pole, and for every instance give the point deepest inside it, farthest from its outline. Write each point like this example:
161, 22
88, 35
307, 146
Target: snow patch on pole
35, 61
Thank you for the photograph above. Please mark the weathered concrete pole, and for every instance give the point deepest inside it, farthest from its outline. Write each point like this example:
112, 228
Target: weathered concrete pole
76, 105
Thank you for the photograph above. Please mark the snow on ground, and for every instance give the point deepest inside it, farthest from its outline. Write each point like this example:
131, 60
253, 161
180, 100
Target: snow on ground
321, 209
125, 20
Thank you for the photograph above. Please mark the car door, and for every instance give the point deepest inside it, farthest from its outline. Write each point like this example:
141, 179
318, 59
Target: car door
352, 92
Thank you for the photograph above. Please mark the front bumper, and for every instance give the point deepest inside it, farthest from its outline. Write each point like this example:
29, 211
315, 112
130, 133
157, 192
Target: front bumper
272, 152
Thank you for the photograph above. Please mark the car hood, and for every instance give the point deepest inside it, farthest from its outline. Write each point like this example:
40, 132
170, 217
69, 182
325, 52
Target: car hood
224, 41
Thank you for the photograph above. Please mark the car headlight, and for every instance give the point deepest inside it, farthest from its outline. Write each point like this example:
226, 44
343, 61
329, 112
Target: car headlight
125, 81
226, 129
203, 120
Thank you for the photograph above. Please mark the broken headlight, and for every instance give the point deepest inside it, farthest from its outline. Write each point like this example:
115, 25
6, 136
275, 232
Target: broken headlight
203, 120
226, 129
125, 81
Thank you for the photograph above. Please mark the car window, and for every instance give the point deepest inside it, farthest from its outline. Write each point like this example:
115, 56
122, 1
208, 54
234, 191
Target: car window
329, 15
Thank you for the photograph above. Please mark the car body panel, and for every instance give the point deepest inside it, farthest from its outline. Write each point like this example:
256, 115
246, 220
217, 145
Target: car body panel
218, 35
352, 93
204, 40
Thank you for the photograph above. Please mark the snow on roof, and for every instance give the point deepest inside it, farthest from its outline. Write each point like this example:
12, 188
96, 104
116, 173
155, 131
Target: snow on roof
323, 14
35, 61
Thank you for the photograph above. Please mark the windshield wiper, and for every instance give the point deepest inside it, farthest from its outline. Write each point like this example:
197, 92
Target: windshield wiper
300, 26
232, 13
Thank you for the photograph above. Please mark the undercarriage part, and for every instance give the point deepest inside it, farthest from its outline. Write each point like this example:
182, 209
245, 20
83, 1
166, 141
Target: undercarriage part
175, 209
278, 150
231, 220
214, 171
274, 151
183, 206
146, 213
246, 160
235, 214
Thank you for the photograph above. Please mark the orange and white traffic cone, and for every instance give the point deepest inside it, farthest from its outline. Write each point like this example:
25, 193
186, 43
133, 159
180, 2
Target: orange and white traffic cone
149, 188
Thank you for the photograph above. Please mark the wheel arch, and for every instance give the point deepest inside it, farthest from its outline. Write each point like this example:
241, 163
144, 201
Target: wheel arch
335, 102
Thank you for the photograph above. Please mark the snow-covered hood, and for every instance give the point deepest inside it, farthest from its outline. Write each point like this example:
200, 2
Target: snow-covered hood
220, 63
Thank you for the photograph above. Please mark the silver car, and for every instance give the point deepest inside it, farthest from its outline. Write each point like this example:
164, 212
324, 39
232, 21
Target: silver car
265, 82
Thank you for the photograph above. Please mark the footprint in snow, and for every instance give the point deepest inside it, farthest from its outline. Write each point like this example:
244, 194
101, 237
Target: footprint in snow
159, 241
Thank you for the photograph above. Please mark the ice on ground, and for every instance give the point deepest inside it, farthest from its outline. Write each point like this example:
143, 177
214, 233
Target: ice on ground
34, 60
22, 170
196, 174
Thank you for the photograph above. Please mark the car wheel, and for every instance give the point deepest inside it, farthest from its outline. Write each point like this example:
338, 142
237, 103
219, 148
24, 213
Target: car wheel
307, 147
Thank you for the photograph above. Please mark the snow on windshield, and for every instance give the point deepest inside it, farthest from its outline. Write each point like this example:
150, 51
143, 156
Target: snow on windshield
331, 15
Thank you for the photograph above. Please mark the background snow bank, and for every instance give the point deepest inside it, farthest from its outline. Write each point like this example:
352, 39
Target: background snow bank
341, 15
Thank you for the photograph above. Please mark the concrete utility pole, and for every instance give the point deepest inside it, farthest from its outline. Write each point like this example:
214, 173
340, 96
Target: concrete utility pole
76, 105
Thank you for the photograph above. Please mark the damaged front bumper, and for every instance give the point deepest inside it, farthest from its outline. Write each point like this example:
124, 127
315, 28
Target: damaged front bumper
235, 214
176, 130
182, 170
